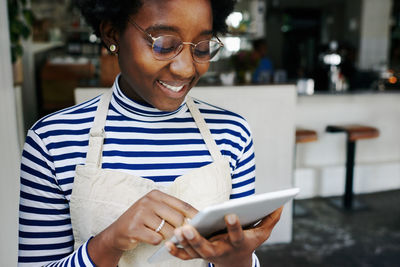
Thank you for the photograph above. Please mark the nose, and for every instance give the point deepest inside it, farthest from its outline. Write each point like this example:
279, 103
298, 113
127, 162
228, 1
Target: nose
183, 65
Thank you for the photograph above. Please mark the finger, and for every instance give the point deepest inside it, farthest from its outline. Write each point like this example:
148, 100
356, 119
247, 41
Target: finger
201, 246
166, 230
263, 230
235, 231
173, 216
149, 236
183, 236
185, 208
177, 252
272, 219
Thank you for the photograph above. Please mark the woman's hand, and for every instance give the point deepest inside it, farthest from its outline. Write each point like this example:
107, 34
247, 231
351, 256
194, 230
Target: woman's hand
139, 224
232, 249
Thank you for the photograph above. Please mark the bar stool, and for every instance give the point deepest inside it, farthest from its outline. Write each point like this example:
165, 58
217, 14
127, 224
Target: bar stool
302, 136
305, 136
354, 133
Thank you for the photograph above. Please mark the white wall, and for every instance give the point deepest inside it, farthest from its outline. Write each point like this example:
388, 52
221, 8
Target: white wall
9, 156
320, 166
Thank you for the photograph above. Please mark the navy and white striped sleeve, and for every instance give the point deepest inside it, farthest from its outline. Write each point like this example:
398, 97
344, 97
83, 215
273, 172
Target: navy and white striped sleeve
243, 176
45, 231
243, 180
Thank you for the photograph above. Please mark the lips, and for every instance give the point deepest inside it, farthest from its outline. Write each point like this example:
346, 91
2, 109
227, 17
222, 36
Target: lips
174, 87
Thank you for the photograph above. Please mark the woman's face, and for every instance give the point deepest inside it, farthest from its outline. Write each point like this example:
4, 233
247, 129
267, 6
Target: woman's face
163, 84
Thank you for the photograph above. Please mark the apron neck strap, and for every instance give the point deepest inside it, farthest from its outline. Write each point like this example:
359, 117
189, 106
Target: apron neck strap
204, 130
97, 133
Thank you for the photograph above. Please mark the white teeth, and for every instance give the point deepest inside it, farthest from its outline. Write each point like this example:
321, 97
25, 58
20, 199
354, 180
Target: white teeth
172, 88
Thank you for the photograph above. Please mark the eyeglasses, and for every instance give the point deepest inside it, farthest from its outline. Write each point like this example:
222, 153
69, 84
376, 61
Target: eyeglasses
166, 47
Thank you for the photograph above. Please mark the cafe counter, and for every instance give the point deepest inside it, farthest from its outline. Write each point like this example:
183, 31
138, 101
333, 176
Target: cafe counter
320, 166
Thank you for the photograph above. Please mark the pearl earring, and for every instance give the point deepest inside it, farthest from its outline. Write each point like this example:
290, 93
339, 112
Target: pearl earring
113, 48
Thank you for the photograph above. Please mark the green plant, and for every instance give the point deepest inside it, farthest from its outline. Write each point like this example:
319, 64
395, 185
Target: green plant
20, 21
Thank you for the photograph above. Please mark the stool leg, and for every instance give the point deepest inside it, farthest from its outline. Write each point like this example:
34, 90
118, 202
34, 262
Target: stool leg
297, 209
348, 193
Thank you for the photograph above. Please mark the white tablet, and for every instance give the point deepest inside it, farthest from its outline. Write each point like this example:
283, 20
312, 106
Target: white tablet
249, 210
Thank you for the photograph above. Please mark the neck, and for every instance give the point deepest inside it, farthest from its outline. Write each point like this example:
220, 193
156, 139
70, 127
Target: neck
128, 90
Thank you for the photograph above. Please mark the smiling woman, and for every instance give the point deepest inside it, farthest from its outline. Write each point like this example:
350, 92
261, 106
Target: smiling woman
144, 76
105, 182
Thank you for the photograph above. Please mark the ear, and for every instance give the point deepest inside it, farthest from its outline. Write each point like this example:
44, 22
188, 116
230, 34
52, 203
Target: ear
109, 35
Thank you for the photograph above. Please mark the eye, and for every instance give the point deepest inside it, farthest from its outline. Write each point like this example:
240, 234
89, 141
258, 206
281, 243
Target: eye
166, 44
203, 49
199, 53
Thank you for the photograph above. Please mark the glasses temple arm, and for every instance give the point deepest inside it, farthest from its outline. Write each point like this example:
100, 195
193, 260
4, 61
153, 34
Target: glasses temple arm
140, 29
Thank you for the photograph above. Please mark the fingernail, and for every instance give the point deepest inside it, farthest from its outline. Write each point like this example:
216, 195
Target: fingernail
188, 233
231, 218
168, 245
178, 234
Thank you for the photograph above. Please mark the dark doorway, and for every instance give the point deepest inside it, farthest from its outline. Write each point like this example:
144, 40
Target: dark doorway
301, 39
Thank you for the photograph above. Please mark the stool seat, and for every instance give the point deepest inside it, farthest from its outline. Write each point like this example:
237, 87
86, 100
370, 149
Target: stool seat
354, 131
305, 136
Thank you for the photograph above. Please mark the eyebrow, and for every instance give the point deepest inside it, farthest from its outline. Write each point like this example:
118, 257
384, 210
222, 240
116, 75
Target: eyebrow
162, 27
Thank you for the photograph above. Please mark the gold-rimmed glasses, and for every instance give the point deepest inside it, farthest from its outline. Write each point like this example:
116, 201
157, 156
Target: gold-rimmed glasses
166, 47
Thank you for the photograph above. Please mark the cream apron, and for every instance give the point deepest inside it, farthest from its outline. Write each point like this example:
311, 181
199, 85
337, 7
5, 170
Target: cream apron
100, 196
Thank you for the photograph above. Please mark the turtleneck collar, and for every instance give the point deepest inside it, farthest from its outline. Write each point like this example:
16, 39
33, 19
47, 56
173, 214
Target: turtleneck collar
140, 110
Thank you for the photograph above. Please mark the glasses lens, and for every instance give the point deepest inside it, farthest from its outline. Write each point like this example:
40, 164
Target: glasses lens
204, 51
166, 47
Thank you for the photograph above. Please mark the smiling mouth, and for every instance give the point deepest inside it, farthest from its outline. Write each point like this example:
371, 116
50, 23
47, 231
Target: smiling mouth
171, 87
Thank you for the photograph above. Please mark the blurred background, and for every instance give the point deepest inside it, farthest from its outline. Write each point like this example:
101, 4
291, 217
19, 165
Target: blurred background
320, 45
292, 68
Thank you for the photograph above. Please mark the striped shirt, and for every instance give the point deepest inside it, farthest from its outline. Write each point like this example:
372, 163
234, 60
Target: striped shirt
141, 141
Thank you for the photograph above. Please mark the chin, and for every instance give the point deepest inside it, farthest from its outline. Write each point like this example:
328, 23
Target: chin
169, 108
168, 105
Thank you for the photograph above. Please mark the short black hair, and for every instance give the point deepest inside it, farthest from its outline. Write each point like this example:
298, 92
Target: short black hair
118, 11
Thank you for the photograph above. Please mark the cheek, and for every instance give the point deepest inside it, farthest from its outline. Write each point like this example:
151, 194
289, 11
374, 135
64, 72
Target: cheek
134, 55
202, 68
138, 63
